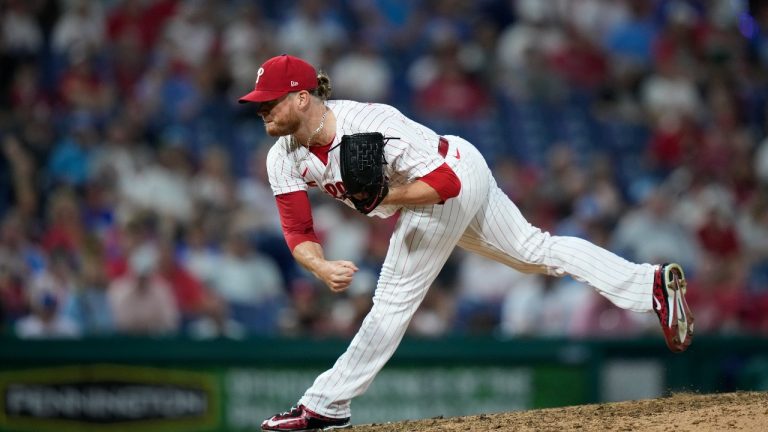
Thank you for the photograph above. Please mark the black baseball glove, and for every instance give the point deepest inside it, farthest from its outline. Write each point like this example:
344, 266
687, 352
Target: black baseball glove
362, 169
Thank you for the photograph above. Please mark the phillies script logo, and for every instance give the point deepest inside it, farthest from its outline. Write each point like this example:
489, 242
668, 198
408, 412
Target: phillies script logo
259, 73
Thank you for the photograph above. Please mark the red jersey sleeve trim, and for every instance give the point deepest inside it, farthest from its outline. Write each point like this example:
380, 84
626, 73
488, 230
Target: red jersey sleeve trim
444, 181
296, 218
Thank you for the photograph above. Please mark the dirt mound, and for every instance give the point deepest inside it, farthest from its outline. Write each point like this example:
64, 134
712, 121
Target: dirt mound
680, 412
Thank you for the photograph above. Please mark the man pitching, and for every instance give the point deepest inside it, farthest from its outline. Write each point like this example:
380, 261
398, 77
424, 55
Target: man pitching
445, 195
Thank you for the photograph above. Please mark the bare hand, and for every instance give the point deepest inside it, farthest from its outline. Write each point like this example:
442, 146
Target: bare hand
338, 274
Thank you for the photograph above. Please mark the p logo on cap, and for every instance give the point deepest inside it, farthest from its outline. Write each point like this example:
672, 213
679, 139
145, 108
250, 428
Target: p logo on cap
279, 76
259, 73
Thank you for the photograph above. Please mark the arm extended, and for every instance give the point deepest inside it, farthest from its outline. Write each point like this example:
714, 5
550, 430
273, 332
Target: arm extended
296, 220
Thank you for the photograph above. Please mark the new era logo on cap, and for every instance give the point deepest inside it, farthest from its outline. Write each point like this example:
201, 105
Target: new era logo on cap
281, 75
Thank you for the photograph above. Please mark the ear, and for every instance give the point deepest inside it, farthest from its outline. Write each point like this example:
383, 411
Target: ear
302, 99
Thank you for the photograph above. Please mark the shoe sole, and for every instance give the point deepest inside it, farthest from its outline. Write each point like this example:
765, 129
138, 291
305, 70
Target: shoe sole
681, 325
323, 429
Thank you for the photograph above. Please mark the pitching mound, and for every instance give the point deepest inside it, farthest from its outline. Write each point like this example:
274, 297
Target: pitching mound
680, 412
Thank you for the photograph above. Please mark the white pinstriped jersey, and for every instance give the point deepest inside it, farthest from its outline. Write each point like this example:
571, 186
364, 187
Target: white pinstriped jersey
412, 155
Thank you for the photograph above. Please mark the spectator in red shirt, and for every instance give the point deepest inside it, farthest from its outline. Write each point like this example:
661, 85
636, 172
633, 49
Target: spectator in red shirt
82, 88
720, 290
141, 21
453, 94
65, 228
192, 297
718, 236
580, 62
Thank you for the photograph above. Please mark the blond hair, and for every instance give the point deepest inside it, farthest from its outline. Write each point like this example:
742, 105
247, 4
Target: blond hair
323, 89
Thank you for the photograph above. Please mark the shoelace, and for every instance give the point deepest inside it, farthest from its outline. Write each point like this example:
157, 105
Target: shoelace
292, 412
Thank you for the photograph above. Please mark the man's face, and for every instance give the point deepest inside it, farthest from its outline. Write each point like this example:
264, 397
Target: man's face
280, 116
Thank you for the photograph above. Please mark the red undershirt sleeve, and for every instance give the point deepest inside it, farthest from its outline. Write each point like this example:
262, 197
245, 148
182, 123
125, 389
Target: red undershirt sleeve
296, 218
444, 181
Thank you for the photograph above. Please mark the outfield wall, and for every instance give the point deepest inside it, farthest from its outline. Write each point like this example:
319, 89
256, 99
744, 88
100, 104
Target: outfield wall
123, 385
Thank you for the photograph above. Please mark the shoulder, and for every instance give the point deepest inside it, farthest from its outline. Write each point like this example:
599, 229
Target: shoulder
279, 151
283, 159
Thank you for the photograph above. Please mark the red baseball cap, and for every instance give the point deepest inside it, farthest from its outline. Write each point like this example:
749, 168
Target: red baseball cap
279, 76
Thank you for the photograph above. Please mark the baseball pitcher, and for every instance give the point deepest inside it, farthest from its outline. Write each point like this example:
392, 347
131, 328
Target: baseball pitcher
374, 159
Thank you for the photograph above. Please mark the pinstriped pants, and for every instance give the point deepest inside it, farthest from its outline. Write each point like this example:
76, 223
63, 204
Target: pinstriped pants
481, 219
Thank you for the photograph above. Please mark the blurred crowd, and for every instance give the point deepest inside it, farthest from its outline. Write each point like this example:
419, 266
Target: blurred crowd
133, 192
